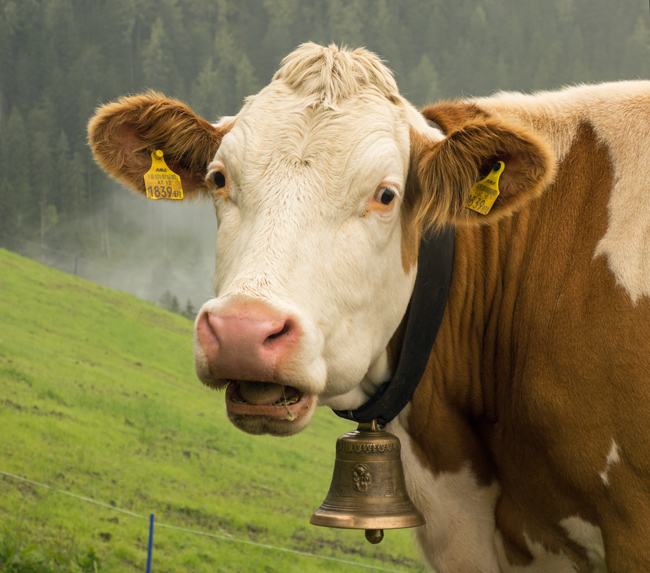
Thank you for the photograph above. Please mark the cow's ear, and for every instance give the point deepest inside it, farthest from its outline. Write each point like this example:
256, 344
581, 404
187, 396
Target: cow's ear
445, 171
123, 134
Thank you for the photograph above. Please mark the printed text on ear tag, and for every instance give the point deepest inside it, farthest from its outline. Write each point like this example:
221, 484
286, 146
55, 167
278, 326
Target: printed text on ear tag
485, 192
160, 181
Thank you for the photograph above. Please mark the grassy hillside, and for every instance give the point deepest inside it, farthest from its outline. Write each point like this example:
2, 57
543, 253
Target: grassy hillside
98, 397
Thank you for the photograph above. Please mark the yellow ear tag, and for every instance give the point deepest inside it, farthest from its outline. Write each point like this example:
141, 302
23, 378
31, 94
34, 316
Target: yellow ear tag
485, 192
160, 181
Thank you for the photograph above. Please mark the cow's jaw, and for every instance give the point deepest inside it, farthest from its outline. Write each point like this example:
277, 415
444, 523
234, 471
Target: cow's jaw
268, 408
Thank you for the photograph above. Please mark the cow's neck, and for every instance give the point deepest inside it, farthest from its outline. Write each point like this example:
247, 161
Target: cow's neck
458, 391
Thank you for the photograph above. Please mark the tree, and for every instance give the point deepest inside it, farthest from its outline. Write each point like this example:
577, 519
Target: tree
213, 93
16, 164
422, 83
165, 299
77, 187
245, 80
42, 187
9, 212
346, 19
190, 311
638, 62
170, 302
157, 61
61, 173
277, 41
384, 35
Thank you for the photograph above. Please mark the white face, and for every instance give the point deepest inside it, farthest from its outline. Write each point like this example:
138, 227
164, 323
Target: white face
309, 279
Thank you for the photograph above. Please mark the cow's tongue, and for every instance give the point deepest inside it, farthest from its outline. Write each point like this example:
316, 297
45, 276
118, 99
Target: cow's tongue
265, 393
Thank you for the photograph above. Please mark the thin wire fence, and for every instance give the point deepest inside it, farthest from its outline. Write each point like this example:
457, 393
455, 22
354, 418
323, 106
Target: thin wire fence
223, 536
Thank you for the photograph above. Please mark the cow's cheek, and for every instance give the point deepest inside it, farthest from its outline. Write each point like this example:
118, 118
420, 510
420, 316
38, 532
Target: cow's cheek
228, 231
369, 303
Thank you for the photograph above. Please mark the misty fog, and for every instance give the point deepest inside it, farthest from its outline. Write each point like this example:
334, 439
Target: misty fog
161, 246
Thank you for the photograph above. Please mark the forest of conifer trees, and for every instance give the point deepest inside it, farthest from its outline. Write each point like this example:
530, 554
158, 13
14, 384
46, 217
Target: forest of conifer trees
59, 59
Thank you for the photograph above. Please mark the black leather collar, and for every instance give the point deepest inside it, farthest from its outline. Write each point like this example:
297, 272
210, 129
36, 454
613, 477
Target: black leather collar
423, 317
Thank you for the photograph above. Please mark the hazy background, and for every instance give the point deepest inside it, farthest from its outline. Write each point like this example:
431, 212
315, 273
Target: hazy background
59, 59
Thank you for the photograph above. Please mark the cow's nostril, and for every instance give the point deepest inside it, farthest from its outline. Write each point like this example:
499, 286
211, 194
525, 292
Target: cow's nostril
247, 342
284, 330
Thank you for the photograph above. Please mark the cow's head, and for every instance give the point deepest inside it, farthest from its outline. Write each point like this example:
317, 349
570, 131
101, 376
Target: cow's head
322, 185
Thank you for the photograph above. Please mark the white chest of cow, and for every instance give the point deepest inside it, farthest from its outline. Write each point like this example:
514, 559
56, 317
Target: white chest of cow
526, 444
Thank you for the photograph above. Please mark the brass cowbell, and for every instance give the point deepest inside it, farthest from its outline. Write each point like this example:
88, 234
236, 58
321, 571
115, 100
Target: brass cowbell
368, 489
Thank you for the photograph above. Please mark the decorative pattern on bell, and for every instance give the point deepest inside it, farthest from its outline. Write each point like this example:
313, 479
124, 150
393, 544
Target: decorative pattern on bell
368, 490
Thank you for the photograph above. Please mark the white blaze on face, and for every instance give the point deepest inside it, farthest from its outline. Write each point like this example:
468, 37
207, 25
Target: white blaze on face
298, 230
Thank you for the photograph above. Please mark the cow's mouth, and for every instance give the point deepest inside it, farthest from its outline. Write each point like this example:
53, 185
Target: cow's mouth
267, 400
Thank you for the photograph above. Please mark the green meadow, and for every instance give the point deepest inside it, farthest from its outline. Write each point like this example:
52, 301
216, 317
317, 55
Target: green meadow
98, 397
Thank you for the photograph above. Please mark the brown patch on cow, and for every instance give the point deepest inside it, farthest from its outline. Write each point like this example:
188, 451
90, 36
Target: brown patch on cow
123, 134
410, 244
411, 230
541, 360
589, 377
452, 115
446, 170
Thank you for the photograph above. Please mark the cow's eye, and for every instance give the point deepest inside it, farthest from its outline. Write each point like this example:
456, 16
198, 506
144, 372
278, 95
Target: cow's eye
387, 196
384, 195
219, 179
383, 200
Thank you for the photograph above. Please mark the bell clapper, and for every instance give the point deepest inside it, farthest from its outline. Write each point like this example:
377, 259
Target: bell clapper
374, 535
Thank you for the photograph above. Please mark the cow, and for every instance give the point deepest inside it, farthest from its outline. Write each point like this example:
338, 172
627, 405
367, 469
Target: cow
526, 445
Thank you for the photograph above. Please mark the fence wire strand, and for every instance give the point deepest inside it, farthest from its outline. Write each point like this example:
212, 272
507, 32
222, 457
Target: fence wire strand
224, 536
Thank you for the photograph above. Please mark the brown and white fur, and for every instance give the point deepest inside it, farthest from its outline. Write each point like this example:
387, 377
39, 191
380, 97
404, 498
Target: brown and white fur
527, 443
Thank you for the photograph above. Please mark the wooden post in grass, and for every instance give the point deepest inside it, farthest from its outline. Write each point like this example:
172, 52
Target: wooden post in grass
150, 549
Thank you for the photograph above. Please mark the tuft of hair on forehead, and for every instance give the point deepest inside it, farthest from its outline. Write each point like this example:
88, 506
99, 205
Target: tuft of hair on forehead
329, 75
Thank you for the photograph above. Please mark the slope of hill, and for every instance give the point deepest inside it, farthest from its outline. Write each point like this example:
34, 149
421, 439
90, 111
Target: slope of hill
98, 397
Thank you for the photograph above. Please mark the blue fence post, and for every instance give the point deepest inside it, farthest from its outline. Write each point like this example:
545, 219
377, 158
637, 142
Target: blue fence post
150, 550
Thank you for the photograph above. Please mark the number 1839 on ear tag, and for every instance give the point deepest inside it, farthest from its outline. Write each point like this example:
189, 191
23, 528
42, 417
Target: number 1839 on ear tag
485, 192
160, 181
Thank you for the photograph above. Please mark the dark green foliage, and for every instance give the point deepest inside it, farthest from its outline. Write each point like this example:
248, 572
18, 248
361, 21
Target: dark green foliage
170, 302
60, 58
189, 311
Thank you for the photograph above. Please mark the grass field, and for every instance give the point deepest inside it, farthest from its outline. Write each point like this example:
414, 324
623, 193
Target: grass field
98, 397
